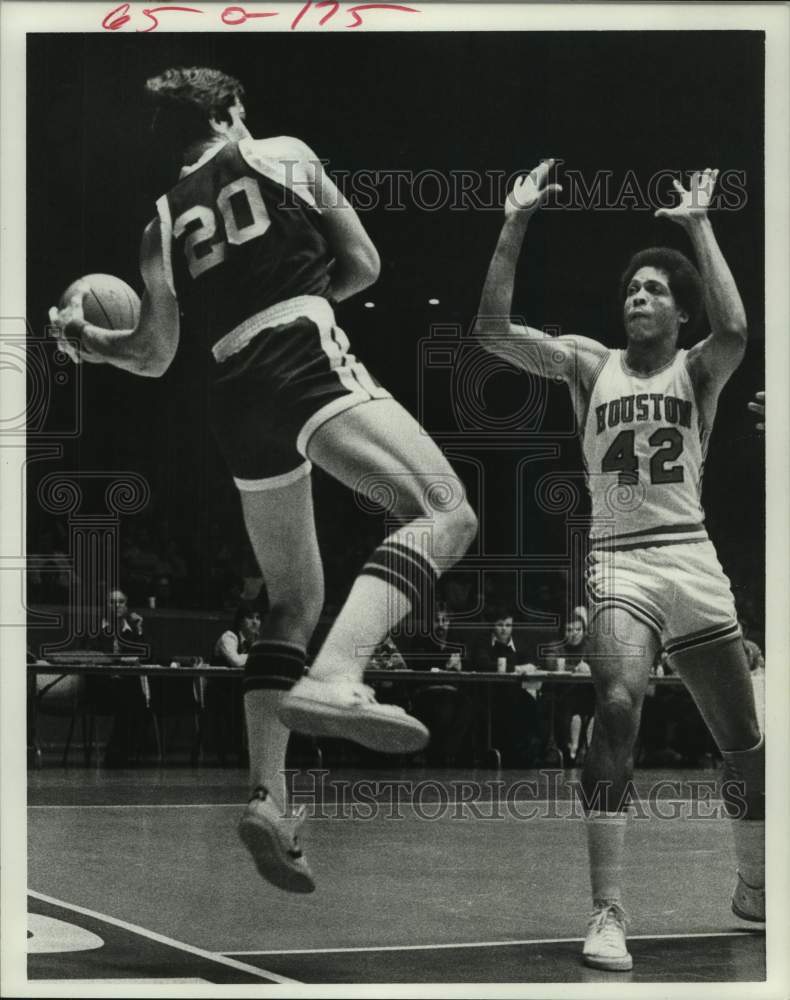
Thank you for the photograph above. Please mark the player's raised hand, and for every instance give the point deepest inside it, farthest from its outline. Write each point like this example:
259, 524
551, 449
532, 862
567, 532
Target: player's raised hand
531, 191
694, 200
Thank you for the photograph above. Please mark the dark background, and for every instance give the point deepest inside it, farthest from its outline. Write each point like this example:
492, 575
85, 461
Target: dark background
601, 101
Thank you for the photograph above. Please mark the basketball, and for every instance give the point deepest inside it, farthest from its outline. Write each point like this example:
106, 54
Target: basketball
109, 302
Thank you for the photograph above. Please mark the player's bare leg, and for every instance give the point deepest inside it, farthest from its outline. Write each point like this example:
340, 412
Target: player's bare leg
281, 529
379, 450
622, 651
719, 682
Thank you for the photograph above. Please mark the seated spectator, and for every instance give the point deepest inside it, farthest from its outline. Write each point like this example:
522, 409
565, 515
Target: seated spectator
574, 703
569, 654
443, 707
121, 628
436, 649
386, 656
516, 717
497, 651
126, 699
222, 696
232, 646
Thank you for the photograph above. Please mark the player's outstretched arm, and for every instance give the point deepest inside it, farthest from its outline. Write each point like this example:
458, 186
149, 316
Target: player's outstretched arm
528, 194
714, 359
568, 358
146, 350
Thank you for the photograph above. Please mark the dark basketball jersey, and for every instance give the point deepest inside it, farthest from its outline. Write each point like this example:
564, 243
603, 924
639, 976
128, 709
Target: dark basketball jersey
238, 236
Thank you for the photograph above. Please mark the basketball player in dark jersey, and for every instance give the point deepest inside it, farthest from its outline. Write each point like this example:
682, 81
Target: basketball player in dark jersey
252, 245
645, 416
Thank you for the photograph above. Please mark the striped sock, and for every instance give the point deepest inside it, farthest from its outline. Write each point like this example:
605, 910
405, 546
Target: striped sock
398, 578
405, 569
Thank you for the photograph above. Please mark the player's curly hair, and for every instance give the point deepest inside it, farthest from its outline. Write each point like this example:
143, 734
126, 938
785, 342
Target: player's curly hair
684, 279
186, 99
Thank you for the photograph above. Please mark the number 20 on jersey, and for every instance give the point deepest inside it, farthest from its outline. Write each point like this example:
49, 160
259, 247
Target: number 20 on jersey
243, 212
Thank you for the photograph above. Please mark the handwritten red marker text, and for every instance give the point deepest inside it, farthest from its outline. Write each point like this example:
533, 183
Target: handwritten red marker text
234, 15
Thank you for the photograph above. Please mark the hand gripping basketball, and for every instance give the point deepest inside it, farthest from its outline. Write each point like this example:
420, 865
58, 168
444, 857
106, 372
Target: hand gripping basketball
100, 300
66, 324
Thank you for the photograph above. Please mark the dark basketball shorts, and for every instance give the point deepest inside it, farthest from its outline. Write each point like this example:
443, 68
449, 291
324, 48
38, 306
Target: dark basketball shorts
279, 376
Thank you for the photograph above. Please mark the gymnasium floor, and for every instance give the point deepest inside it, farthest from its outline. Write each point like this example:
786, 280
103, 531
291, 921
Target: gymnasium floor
138, 876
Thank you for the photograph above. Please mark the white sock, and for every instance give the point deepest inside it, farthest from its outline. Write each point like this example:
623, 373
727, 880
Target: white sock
267, 740
372, 610
605, 845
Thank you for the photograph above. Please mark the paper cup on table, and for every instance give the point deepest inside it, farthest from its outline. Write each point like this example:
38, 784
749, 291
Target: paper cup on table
501, 665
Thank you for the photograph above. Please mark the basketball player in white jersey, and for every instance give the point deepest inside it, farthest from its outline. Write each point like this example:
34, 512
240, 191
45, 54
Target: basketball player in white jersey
645, 415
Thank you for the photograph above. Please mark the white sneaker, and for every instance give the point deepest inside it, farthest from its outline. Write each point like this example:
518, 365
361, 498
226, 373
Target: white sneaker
271, 839
349, 710
604, 946
748, 902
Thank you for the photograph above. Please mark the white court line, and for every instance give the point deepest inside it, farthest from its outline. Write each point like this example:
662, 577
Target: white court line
162, 939
152, 805
126, 982
447, 803
485, 944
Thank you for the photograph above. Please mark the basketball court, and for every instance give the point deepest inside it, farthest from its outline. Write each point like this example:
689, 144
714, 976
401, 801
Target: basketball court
423, 877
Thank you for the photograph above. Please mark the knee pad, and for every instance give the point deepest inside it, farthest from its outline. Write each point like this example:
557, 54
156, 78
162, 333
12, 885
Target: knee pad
273, 666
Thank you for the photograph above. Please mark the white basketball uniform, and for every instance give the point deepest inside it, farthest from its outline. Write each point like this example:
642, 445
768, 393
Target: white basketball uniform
644, 444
